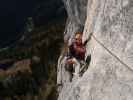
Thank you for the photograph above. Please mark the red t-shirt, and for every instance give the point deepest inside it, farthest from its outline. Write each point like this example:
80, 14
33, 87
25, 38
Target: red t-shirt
77, 51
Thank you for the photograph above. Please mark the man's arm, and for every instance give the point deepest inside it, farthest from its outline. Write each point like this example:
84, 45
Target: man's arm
88, 39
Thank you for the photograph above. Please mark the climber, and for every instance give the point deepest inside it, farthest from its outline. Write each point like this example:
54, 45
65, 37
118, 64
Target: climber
76, 54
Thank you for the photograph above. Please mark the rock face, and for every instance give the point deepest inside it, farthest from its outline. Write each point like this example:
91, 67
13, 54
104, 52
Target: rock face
76, 10
109, 23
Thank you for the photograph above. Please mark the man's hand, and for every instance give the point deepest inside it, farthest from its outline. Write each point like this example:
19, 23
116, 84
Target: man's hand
70, 61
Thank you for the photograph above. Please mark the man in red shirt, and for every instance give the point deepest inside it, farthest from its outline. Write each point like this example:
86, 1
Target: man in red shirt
76, 53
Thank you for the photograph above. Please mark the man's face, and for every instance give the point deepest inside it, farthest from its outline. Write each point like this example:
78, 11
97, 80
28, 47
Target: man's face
78, 39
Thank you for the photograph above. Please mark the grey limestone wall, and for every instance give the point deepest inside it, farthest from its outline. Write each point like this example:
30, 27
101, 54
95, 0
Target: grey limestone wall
110, 74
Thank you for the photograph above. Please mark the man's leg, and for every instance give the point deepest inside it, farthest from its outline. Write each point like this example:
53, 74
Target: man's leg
68, 70
76, 67
83, 67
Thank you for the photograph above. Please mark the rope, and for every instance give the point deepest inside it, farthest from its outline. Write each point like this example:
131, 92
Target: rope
112, 54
